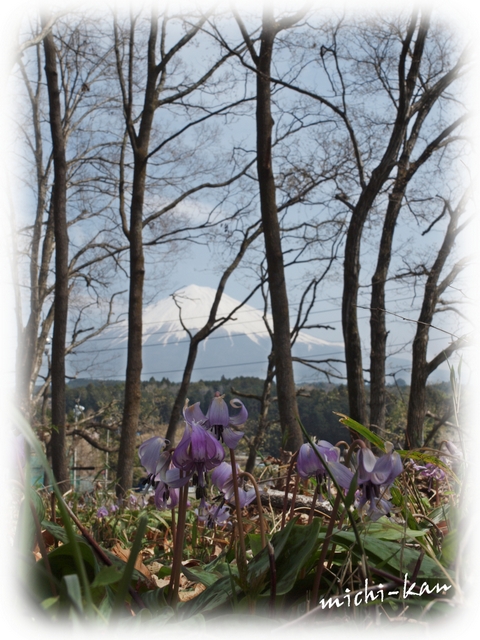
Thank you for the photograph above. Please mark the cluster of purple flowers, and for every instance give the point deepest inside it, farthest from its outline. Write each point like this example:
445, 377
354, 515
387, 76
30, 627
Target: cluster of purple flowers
104, 511
451, 456
199, 451
374, 475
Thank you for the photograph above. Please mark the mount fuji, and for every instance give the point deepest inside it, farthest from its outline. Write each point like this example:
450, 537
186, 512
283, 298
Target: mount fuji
240, 347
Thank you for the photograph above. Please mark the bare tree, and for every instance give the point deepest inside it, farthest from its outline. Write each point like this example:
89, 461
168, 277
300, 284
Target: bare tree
437, 282
59, 207
411, 76
157, 95
273, 246
71, 74
213, 323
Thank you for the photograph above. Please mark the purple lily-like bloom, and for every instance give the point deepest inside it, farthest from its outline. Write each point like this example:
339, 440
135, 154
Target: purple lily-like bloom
375, 476
309, 464
430, 471
213, 515
154, 458
222, 478
197, 452
102, 512
161, 473
218, 420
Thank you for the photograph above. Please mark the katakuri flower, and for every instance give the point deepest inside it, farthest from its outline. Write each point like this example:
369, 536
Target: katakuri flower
162, 475
197, 452
218, 420
222, 478
375, 477
309, 464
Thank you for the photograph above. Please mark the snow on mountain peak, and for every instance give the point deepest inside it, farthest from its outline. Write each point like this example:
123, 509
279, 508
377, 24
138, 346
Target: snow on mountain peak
161, 321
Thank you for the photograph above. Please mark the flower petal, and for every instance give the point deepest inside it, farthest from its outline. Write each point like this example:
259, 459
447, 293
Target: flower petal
193, 413
218, 412
231, 437
149, 453
242, 416
341, 474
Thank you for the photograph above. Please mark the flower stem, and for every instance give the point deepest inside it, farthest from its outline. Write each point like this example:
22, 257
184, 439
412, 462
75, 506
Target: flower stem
323, 553
259, 506
285, 499
314, 502
178, 548
241, 535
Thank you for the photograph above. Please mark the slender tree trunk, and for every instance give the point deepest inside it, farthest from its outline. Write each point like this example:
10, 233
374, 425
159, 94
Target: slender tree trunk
421, 369
58, 443
351, 334
183, 390
287, 401
263, 422
207, 329
133, 390
378, 329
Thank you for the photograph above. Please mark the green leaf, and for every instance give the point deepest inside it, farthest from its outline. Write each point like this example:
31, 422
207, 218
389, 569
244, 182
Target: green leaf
71, 584
390, 556
450, 548
38, 504
255, 542
215, 596
58, 532
63, 561
196, 574
106, 575
130, 566
302, 541
361, 430
156, 603
384, 529
49, 602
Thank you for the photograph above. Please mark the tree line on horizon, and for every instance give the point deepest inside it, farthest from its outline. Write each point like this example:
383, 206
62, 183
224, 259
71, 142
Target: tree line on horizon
306, 147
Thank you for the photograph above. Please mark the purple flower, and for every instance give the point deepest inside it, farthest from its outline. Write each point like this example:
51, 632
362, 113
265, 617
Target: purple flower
102, 512
197, 452
218, 419
222, 478
165, 496
154, 458
162, 475
375, 476
213, 515
113, 508
430, 470
309, 464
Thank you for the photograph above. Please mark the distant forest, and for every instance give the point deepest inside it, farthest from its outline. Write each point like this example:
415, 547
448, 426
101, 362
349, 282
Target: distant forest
102, 402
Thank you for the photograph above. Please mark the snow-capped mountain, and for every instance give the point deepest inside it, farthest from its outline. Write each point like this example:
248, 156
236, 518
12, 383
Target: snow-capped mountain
239, 347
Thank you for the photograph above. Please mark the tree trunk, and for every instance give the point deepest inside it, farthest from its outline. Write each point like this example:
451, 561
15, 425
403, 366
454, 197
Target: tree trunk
58, 443
351, 335
263, 422
183, 390
378, 329
421, 369
207, 329
287, 401
133, 391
